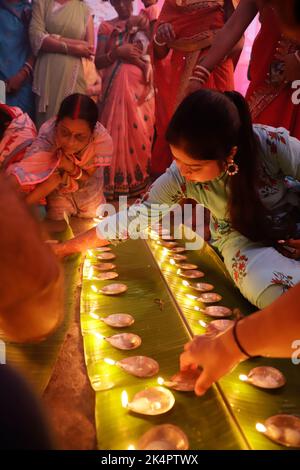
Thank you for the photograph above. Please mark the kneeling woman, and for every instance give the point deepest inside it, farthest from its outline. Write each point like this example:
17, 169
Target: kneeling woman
62, 163
238, 172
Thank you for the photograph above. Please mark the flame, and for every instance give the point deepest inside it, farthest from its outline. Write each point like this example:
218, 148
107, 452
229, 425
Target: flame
203, 323
131, 447
260, 427
109, 361
178, 271
94, 288
90, 273
185, 283
87, 263
98, 335
124, 399
243, 377
160, 381
192, 297
198, 309
94, 315
89, 252
172, 261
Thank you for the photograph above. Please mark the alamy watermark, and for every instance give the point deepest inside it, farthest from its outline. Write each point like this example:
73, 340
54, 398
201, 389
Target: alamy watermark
2, 352
144, 220
296, 353
296, 94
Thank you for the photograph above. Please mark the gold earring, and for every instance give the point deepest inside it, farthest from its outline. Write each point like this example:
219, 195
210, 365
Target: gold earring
232, 168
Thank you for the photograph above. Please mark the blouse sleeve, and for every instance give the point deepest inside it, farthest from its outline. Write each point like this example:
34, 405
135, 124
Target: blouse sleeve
281, 151
133, 222
37, 28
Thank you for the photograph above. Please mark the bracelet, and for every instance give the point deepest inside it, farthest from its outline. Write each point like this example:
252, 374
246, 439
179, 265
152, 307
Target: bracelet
160, 44
203, 69
297, 55
201, 80
65, 46
237, 341
77, 173
29, 67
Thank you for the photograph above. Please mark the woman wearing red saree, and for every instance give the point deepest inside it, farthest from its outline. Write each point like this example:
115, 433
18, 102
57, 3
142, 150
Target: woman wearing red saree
187, 29
275, 65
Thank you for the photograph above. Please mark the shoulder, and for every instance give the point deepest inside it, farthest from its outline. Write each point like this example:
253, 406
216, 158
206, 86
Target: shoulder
271, 139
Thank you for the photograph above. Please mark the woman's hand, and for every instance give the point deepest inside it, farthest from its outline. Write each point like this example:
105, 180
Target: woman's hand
291, 70
82, 50
290, 248
165, 33
13, 84
140, 21
128, 52
193, 85
66, 164
216, 355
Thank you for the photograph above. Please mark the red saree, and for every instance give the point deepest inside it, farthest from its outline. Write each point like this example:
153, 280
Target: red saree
269, 103
195, 23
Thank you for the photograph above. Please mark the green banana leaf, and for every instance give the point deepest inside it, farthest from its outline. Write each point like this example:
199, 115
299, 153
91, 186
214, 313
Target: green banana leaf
36, 361
208, 422
249, 405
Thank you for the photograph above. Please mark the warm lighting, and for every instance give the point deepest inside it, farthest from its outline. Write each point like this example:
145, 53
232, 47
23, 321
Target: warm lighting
94, 288
243, 377
94, 315
178, 271
186, 283
109, 361
172, 261
124, 399
90, 273
131, 447
160, 381
98, 335
87, 263
198, 309
203, 323
260, 427
97, 219
89, 252
191, 297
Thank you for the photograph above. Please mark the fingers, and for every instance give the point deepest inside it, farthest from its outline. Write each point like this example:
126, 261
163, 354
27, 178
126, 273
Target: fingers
204, 382
186, 361
165, 33
293, 243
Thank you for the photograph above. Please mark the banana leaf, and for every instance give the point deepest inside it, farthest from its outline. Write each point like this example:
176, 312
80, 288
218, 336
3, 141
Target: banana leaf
35, 361
208, 422
249, 405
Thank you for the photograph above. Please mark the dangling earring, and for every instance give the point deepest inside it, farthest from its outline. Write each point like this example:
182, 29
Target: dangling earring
232, 168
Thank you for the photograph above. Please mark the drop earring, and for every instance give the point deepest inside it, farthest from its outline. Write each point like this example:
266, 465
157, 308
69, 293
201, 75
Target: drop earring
232, 168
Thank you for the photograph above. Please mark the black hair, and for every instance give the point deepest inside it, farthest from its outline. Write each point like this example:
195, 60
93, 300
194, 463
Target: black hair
78, 106
207, 125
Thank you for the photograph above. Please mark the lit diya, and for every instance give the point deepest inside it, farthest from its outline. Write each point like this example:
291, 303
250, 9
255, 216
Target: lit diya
283, 429
187, 266
217, 311
124, 341
217, 326
139, 366
114, 289
102, 249
179, 257
106, 276
178, 249
152, 401
164, 437
106, 255
183, 381
191, 273
209, 297
201, 286
116, 320
264, 377
105, 266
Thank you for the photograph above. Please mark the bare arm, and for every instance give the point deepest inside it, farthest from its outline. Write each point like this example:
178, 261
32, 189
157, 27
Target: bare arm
269, 332
230, 34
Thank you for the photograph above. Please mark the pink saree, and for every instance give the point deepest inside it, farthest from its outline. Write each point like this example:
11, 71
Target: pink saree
127, 112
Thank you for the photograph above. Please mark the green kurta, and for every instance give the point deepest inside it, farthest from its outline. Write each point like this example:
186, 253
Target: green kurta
253, 266
56, 75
